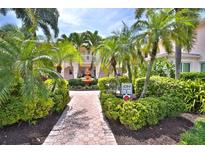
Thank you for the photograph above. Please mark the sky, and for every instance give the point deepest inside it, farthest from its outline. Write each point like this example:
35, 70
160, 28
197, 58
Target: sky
79, 20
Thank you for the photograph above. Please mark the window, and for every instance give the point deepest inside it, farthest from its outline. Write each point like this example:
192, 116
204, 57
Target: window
185, 67
202, 67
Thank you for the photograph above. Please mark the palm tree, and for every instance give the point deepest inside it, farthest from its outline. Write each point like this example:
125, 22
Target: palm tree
158, 27
33, 18
127, 48
193, 15
190, 15
93, 40
108, 53
23, 60
64, 51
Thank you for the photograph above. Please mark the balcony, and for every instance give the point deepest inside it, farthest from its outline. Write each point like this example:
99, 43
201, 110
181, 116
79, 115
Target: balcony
88, 58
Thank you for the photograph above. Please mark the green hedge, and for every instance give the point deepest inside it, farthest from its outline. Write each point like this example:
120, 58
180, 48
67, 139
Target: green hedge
142, 112
111, 83
60, 95
196, 135
192, 76
78, 84
16, 110
191, 92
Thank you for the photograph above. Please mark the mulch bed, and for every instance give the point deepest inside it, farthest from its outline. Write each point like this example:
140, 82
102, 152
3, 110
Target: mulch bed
28, 134
167, 132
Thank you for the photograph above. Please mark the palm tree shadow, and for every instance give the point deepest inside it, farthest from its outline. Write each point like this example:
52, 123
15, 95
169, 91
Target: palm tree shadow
71, 123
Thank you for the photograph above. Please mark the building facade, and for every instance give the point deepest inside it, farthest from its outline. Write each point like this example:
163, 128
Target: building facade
79, 69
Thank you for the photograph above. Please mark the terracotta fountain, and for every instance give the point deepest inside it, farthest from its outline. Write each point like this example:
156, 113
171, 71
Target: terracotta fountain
87, 79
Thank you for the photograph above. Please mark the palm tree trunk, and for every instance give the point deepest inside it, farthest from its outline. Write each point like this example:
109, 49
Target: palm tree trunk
114, 63
91, 65
71, 67
149, 69
129, 72
59, 68
178, 54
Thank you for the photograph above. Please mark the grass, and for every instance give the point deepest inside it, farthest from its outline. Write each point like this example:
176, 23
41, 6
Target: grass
196, 135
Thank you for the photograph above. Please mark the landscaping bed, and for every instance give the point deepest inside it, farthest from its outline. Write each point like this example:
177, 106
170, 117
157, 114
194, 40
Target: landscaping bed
166, 132
28, 134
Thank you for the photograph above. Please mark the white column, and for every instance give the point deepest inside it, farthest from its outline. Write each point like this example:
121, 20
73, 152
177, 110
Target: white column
75, 70
98, 64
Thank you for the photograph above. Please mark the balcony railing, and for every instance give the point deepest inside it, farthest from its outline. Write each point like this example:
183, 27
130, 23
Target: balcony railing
88, 58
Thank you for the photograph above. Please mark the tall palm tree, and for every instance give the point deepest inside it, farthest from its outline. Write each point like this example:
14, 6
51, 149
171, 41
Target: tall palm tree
33, 18
127, 48
93, 40
23, 60
158, 27
64, 51
193, 15
108, 53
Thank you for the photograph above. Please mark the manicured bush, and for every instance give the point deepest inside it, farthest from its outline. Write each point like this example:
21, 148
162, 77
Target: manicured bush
142, 112
110, 84
191, 92
159, 86
148, 111
75, 82
111, 107
16, 110
60, 95
192, 76
78, 84
196, 135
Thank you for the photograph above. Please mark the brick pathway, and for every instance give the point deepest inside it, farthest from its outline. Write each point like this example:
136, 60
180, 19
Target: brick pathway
82, 122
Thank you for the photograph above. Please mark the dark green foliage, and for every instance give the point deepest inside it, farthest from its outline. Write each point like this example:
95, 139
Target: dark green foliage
78, 84
195, 136
75, 82
190, 92
110, 84
192, 76
163, 67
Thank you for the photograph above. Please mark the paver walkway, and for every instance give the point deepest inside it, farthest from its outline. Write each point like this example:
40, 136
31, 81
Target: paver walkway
82, 122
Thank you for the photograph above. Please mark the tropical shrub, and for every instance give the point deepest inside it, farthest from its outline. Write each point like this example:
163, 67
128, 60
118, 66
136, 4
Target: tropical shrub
110, 84
191, 92
111, 107
192, 76
159, 86
149, 111
196, 135
162, 67
142, 112
59, 95
16, 110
